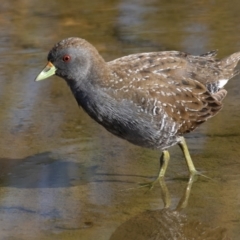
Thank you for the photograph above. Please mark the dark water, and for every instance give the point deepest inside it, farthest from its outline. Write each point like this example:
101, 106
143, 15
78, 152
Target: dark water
63, 176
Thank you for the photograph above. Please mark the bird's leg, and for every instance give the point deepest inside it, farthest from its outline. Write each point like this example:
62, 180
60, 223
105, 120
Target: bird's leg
192, 170
184, 148
164, 159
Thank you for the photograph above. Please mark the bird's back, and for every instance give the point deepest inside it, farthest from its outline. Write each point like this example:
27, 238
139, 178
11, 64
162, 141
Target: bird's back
171, 87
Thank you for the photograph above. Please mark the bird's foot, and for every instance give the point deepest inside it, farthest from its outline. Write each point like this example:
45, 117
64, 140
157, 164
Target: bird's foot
195, 174
151, 184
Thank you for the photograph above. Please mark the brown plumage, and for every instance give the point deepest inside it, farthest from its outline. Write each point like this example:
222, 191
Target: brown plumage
149, 99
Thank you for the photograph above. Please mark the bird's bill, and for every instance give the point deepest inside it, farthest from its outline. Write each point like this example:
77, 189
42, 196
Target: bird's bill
47, 72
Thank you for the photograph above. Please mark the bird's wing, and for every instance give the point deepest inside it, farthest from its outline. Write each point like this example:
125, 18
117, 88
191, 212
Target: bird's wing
156, 83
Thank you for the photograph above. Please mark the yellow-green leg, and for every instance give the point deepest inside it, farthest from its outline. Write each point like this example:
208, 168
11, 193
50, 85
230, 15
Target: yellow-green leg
183, 146
164, 159
192, 170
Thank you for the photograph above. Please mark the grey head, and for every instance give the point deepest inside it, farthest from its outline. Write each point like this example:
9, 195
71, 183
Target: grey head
74, 60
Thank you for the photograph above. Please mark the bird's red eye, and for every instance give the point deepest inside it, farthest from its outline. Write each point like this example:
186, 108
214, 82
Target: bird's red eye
66, 58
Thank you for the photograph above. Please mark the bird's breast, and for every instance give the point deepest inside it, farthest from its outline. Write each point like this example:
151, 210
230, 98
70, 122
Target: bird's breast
131, 121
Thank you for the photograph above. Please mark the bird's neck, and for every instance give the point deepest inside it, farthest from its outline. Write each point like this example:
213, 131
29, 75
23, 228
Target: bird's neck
89, 90
91, 98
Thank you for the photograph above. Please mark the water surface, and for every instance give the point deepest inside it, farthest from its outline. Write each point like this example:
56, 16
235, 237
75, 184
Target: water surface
62, 175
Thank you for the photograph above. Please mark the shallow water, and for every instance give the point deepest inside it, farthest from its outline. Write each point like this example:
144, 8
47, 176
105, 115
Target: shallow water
62, 175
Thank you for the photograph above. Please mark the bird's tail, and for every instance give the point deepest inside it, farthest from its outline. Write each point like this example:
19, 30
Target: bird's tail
220, 95
229, 64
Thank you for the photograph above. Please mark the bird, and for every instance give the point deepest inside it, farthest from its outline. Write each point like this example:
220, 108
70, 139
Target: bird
150, 99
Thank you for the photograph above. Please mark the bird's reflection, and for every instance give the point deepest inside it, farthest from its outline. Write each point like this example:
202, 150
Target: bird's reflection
168, 224
184, 200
